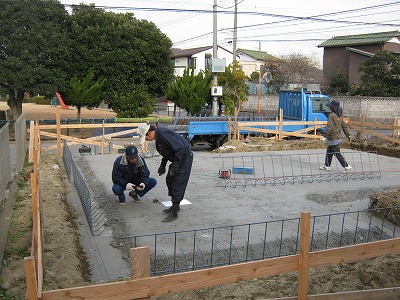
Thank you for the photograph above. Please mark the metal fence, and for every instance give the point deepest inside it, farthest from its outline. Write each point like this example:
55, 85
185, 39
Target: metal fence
181, 251
5, 162
7, 167
20, 141
169, 110
94, 213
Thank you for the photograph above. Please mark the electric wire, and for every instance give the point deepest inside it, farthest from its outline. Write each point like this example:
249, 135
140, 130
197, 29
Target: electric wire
191, 13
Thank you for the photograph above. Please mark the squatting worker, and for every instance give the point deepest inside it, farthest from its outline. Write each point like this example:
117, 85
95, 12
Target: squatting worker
176, 149
131, 173
333, 134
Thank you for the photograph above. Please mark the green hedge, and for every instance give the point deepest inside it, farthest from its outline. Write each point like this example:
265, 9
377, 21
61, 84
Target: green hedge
40, 100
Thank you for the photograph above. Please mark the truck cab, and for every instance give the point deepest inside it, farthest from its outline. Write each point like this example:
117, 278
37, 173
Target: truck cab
304, 104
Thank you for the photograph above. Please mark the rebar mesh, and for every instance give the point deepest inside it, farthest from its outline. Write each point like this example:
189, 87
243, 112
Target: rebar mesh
294, 168
210, 247
95, 214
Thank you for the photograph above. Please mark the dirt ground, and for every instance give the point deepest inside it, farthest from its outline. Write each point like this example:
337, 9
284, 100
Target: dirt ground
47, 112
66, 266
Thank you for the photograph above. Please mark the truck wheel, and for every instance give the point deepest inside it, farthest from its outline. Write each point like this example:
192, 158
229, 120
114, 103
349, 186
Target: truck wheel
216, 144
223, 140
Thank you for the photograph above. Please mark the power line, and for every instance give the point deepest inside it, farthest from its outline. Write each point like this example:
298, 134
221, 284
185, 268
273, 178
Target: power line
288, 18
312, 19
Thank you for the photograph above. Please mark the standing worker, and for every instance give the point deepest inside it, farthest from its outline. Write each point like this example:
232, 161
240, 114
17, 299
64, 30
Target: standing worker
333, 132
176, 149
131, 173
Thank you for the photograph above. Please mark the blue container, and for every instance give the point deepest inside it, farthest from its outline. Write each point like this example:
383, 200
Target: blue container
247, 171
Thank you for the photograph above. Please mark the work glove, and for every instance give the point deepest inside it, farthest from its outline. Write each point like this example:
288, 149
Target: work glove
140, 187
161, 170
173, 169
349, 138
130, 187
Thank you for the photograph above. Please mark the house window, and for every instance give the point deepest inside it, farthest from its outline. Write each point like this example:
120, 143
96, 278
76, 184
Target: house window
192, 63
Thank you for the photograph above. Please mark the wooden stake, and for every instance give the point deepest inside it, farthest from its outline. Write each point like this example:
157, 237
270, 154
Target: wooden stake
140, 264
58, 123
304, 255
31, 139
30, 275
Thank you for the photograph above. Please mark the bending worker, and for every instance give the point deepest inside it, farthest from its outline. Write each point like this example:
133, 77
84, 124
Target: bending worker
174, 148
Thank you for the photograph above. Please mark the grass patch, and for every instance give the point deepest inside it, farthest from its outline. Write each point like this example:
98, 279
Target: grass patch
19, 237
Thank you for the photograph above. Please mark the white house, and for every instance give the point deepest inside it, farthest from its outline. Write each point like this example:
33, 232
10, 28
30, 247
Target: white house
198, 59
251, 60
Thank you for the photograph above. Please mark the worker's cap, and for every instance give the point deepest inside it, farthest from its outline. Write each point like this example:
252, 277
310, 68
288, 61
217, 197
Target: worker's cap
131, 152
333, 103
142, 130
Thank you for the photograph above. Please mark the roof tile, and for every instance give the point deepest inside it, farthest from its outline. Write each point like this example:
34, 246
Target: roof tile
360, 39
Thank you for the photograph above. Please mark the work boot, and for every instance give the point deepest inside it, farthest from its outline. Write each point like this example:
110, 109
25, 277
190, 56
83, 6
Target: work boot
173, 215
169, 209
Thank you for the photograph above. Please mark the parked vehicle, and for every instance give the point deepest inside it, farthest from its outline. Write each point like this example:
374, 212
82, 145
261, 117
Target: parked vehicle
305, 104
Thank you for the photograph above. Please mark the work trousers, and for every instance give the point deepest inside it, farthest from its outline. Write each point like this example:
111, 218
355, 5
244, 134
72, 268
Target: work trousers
334, 151
177, 184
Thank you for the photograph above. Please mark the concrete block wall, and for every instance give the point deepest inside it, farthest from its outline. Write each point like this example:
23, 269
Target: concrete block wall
381, 110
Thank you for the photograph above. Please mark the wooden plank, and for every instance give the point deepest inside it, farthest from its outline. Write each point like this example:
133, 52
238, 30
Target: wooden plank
40, 245
136, 289
283, 133
275, 123
35, 221
381, 294
140, 264
140, 288
31, 140
375, 125
396, 131
58, 132
111, 135
255, 129
382, 136
30, 276
353, 253
280, 124
70, 138
86, 126
304, 255
47, 148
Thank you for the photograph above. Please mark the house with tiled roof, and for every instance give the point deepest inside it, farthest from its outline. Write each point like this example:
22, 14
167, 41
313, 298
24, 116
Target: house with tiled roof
198, 59
251, 60
348, 52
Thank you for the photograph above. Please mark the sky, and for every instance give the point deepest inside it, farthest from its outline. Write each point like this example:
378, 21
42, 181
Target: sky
276, 27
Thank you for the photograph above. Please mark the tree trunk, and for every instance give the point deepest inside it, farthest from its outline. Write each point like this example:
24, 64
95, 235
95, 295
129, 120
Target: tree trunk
15, 103
78, 114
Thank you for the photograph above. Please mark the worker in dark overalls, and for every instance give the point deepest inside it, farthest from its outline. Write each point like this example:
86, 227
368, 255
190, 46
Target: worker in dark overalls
176, 149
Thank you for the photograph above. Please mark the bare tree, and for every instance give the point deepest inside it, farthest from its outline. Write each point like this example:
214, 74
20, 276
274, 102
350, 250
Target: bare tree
297, 68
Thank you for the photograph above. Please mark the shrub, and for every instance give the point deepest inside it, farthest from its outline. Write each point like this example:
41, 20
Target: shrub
40, 100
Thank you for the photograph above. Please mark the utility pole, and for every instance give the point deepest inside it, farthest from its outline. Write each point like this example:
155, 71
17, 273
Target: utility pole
235, 30
215, 56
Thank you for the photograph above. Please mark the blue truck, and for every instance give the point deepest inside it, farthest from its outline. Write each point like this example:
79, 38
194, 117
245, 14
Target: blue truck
304, 104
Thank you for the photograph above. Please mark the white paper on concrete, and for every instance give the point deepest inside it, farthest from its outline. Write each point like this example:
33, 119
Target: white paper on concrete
169, 203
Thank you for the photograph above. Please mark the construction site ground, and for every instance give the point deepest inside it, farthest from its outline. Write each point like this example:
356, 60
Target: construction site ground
74, 257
